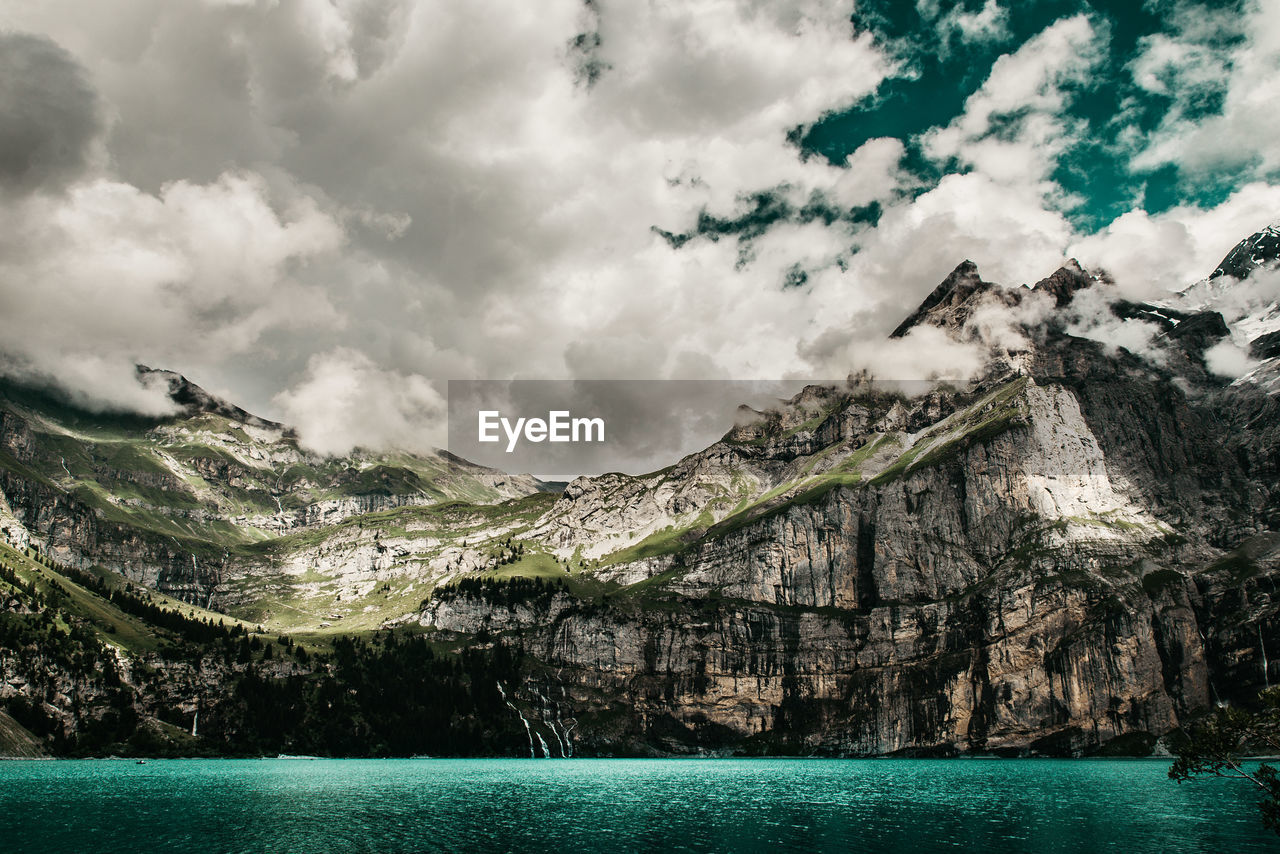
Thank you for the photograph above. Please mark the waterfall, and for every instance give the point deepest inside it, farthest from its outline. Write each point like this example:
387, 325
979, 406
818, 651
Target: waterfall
545, 752
195, 723
1214, 688
276, 494
195, 581
527, 731
565, 728
543, 707
568, 728
561, 734
559, 741
566, 725
565, 750
519, 714
1266, 665
64, 468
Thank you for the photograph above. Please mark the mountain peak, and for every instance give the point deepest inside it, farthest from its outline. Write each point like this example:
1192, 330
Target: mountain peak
1063, 283
943, 305
193, 398
1257, 250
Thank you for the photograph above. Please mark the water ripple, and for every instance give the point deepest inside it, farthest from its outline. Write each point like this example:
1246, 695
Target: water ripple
918, 806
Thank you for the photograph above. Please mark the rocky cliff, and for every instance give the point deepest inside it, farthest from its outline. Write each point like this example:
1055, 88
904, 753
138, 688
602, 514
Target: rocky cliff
1071, 556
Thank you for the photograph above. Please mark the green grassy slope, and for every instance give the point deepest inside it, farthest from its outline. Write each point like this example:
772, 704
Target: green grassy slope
207, 478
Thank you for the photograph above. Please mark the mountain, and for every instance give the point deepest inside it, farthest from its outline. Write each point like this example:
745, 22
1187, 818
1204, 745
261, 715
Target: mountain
1241, 289
194, 400
1260, 250
1074, 553
169, 501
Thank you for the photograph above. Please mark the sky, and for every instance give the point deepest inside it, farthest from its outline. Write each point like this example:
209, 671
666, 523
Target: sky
323, 210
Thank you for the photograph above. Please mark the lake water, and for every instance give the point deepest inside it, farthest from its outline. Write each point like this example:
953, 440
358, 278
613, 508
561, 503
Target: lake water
917, 806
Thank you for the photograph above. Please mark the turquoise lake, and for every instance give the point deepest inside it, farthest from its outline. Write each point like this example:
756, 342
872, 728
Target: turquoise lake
585, 805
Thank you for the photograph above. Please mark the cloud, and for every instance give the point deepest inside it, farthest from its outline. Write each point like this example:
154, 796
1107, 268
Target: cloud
1090, 316
282, 198
926, 353
345, 401
1223, 70
1169, 66
988, 24
872, 173
106, 276
420, 194
1150, 255
1006, 230
1014, 127
49, 114
1227, 360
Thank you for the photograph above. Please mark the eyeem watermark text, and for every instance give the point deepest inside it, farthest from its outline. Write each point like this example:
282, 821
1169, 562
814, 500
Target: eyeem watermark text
559, 426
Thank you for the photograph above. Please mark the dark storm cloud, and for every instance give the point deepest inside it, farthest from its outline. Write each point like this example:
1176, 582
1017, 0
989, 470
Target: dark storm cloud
49, 114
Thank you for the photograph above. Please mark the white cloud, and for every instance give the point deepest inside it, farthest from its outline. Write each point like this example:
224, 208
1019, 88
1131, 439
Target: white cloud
1228, 360
473, 208
1006, 230
988, 24
991, 22
926, 353
1168, 66
1150, 255
345, 400
1014, 127
1091, 317
1243, 132
106, 276
872, 173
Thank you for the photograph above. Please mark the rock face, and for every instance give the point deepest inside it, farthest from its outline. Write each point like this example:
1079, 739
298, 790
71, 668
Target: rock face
951, 302
193, 399
1027, 664
1013, 598
1265, 346
1257, 250
1073, 557
1072, 553
1064, 282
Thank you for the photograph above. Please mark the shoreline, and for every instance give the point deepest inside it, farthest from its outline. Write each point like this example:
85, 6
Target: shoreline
292, 758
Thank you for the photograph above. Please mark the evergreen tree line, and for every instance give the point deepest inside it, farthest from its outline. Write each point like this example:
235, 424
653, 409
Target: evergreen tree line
389, 696
202, 631
61, 658
501, 591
